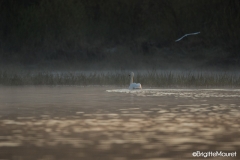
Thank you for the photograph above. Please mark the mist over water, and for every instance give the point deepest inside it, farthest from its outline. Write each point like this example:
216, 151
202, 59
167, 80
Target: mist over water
77, 122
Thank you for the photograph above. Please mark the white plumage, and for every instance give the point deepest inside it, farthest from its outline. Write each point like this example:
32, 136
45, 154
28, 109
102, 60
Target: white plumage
187, 35
134, 85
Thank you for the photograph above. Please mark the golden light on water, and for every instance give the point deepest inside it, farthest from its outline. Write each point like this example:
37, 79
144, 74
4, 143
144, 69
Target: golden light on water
143, 127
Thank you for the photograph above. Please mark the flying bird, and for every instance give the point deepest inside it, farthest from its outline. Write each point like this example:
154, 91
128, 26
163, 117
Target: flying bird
187, 35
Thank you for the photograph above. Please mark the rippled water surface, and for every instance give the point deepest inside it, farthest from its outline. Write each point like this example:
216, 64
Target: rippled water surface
74, 122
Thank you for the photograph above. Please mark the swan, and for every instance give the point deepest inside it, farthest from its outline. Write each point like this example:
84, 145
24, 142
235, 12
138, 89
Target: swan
187, 35
134, 85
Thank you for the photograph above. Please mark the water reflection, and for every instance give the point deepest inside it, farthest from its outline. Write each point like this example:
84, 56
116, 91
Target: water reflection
89, 122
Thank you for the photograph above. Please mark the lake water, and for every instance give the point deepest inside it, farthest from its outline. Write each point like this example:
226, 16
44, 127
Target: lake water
97, 122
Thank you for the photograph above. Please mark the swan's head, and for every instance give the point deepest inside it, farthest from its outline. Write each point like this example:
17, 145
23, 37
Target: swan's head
131, 74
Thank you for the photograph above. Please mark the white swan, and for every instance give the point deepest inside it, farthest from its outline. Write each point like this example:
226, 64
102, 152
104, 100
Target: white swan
134, 85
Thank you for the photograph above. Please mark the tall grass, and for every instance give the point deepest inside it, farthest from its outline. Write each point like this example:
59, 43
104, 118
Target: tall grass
148, 79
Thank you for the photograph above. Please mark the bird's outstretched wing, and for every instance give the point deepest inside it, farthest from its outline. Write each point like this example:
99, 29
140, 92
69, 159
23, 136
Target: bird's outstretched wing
187, 35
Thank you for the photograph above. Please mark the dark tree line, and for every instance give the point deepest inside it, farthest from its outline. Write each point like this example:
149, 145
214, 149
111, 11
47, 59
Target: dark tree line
52, 29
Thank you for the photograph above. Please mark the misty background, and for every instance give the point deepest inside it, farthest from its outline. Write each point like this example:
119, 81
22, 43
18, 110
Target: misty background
120, 34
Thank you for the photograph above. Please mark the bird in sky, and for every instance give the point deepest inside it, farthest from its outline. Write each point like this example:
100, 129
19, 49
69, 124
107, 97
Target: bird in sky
187, 35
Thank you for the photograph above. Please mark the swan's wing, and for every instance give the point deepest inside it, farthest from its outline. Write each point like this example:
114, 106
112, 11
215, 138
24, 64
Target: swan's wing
135, 86
187, 35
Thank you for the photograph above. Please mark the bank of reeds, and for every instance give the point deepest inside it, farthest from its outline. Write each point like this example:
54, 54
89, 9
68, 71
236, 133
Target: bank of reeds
148, 79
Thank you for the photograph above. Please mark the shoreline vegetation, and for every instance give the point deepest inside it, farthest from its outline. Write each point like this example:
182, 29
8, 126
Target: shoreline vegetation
153, 78
118, 33
38, 37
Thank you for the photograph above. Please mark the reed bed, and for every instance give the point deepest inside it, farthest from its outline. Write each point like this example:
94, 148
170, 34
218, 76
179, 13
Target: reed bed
147, 79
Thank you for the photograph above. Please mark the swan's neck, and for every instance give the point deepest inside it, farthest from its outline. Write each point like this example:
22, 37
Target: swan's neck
131, 80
